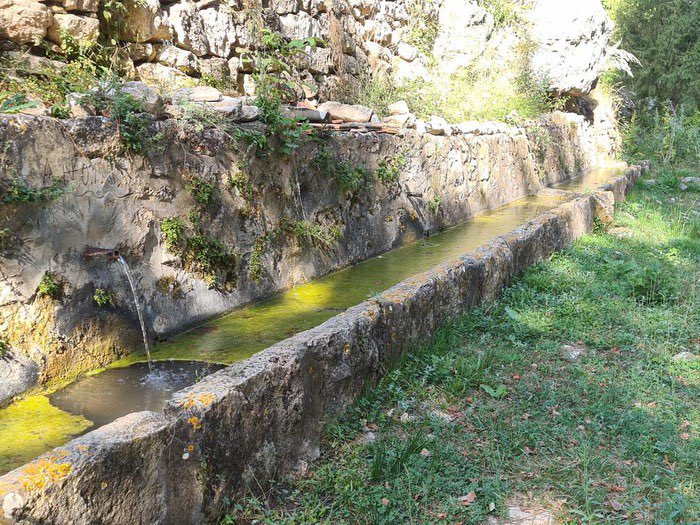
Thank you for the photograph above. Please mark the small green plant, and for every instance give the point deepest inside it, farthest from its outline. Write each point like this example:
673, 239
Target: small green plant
173, 229
207, 253
348, 176
103, 298
15, 102
169, 285
389, 168
135, 126
202, 191
255, 267
499, 392
315, 233
18, 192
435, 204
423, 26
50, 286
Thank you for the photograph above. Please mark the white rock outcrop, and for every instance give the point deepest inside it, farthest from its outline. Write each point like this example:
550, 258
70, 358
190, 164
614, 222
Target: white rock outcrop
572, 39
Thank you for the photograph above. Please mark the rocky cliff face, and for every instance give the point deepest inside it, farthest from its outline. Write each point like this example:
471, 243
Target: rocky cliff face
264, 225
173, 43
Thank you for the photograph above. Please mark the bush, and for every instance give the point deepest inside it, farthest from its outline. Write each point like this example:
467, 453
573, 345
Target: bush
348, 176
208, 253
103, 298
173, 229
50, 286
135, 126
202, 191
315, 233
18, 192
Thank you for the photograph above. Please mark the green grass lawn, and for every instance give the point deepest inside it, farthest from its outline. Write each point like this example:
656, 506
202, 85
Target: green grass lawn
565, 394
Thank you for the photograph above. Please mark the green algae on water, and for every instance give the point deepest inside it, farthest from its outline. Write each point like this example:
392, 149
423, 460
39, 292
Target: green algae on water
243, 332
31, 426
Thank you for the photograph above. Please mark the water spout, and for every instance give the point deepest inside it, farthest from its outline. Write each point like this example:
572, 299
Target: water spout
91, 251
136, 303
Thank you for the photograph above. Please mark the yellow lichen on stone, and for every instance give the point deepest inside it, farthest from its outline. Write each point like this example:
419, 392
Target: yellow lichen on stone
44, 472
203, 400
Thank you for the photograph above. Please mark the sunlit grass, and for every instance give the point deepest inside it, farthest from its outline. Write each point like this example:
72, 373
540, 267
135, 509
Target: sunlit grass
611, 436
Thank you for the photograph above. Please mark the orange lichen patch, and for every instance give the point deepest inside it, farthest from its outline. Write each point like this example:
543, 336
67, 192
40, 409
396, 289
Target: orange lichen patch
195, 422
43, 472
203, 400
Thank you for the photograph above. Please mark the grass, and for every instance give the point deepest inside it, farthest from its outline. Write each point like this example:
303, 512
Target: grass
497, 408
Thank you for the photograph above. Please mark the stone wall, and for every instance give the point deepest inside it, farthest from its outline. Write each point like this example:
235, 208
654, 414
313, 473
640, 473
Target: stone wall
112, 200
259, 419
171, 43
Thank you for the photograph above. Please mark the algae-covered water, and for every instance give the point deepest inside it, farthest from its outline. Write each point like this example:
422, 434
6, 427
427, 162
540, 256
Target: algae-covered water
37, 424
244, 332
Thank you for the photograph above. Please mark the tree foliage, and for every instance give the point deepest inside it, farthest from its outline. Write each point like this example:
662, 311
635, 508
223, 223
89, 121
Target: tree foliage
665, 37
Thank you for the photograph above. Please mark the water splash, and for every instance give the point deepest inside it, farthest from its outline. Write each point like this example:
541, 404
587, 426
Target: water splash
138, 309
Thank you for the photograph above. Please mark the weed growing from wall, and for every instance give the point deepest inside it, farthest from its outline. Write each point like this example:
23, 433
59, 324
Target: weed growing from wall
103, 298
50, 286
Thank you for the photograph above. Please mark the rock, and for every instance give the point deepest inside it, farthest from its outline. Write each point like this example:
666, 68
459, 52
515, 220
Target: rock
249, 113
690, 180
39, 109
231, 107
398, 108
300, 25
220, 29
573, 352
407, 71
407, 52
572, 38
347, 112
188, 28
683, 187
172, 56
141, 51
438, 126
463, 30
87, 6
683, 356
18, 373
145, 21
24, 21
215, 68
35, 63
11, 503
81, 28
152, 101
405, 120
163, 76
198, 94
79, 105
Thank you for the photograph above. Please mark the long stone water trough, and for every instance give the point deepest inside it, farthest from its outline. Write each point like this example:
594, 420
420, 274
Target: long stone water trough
263, 418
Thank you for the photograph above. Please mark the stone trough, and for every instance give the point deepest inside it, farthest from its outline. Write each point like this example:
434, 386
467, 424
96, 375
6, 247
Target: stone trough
262, 418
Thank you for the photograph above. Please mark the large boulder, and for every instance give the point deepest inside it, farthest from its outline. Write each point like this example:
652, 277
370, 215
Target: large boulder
572, 38
188, 28
81, 28
218, 20
145, 21
463, 30
24, 21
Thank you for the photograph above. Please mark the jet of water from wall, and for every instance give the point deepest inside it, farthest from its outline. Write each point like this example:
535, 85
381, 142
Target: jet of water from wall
127, 271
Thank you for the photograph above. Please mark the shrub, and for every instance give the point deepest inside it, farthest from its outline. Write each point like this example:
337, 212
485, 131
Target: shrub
389, 168
18, 192
208, 253
173, 229
315, 233
103, 298
135, 126
348, 176
435, 204
50, 286
202, 191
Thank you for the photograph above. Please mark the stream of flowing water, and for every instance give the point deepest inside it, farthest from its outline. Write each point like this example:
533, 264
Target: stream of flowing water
127, 271
39, 423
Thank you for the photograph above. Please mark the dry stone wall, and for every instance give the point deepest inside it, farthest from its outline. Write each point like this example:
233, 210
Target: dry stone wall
111, 200
171, 43
260, 419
